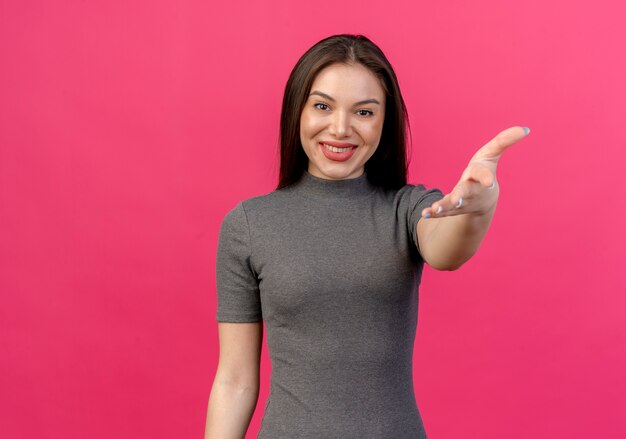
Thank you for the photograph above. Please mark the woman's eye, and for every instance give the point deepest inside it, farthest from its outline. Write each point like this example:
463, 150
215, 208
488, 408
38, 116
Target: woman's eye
324, 107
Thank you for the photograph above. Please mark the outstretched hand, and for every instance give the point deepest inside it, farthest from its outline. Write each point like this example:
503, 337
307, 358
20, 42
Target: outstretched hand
477, 191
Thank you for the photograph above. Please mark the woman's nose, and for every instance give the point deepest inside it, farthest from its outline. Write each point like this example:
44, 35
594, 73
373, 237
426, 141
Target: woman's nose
340, 125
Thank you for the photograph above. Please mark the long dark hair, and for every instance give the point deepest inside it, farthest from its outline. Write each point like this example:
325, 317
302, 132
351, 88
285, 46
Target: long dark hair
388, 165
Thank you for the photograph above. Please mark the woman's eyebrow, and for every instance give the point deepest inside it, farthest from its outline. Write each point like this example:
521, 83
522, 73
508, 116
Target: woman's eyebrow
330, 98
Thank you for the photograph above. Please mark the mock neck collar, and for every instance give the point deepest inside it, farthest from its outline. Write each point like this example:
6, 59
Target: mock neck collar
326, 188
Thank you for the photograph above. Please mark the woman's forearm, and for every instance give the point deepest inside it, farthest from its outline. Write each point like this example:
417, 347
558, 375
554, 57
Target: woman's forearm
454, 239
230, 410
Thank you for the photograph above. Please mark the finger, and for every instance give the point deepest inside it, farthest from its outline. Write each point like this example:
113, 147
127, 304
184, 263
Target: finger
458, 201
436, 208
444, 207
493, 149
453, 201
462, 194
458, 197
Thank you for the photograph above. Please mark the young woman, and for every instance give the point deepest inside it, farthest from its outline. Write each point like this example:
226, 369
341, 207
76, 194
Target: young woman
331, 260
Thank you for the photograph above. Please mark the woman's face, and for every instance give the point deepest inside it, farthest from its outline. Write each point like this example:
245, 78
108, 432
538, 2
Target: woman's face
345, 109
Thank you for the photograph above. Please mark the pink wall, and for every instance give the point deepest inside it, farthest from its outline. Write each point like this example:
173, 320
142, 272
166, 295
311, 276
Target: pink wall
128, 130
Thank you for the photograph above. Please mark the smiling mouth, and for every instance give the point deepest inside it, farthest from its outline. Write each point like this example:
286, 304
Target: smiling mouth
335, 149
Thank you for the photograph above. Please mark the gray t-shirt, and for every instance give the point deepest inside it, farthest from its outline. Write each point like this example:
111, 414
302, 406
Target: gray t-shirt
332, 268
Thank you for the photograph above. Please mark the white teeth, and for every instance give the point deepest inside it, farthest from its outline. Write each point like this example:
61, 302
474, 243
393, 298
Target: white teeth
332, 148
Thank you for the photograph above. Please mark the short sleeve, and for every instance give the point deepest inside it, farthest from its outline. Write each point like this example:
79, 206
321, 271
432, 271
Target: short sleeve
419, 199
238, 298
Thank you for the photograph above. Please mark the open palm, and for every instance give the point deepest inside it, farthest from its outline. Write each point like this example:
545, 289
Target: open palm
477, 191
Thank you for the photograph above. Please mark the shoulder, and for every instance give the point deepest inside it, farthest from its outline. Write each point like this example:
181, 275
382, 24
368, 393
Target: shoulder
265, 201
260, 205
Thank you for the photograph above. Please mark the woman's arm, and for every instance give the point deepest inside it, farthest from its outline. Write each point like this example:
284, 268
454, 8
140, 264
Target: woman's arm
447, 243
452, 229
236, 385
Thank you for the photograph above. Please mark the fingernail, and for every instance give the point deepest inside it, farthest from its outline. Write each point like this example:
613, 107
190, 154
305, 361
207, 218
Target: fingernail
427, 215
492, 185
439, 209
460, 203
526, 130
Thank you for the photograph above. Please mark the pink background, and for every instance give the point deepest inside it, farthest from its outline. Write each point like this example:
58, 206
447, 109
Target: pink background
129, 129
